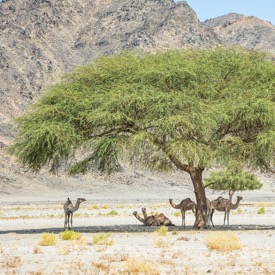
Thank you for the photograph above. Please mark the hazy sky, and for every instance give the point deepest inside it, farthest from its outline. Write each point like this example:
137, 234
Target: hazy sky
205, 9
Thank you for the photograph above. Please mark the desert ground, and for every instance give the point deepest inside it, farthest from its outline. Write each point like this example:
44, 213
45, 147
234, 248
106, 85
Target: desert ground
28, 211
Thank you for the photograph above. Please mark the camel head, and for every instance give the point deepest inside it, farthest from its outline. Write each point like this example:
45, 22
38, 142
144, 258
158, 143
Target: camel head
143, 209
239, 198
81, 200
135, 213
170, 200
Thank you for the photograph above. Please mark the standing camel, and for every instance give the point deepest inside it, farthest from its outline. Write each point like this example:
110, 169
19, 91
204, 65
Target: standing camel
149, 221
161, 218
69, 209
184, 205
223, 205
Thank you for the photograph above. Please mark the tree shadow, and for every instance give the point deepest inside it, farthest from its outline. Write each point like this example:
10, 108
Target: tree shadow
130, 228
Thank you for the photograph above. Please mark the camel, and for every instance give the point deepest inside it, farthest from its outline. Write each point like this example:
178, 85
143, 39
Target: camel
149, 221
184, 205
69, 209
161, 218
223, 205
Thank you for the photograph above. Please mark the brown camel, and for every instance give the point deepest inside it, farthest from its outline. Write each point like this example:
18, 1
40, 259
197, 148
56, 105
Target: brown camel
184, 205
161, 218
69, 209
150, 221
223, 205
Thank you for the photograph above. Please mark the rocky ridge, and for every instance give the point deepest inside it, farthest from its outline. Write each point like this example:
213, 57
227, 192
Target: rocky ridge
41, 39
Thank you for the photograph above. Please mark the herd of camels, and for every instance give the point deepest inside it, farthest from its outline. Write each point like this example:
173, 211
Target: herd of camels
220, 204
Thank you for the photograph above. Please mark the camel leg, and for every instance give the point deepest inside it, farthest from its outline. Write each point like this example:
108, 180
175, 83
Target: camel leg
225, 214
71, 220
228, 217
66, 221
183, 218
211, 217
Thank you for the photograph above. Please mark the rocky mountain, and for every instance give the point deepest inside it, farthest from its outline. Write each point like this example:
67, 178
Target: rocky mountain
41, 39
246, 31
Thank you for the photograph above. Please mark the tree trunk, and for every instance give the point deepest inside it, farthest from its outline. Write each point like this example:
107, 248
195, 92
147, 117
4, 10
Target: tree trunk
201, 213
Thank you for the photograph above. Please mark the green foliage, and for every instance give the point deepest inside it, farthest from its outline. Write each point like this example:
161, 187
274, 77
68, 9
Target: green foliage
167, 109
112, 213
232, 180
162, 231
261, 210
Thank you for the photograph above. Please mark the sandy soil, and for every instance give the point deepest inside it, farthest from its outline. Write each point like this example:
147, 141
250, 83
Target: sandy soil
31, 205
136, 249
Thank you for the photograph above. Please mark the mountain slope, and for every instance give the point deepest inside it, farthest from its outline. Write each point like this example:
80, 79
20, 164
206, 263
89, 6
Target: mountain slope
41, 39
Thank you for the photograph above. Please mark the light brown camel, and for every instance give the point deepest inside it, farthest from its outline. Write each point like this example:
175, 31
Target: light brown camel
223, 205
150, 221
161, 218
69, 209
184, 205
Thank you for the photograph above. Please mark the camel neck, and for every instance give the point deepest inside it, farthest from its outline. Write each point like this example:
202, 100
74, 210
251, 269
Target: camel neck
76, 205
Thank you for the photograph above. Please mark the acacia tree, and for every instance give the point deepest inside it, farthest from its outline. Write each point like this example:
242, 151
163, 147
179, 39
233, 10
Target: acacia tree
183, 109
232, 179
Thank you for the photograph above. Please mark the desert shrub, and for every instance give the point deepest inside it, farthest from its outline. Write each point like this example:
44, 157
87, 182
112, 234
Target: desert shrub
70, 235
112, 213
177, 214
140, 266
223, 241
162, 231
91, 207
239, 211
261, 210
103, 239
47, 239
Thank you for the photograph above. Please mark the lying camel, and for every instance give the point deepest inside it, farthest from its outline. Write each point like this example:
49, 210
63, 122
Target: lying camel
161, 218
149, 221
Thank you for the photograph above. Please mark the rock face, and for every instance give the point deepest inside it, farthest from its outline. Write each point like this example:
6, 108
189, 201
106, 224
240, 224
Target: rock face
40, 39
246, 31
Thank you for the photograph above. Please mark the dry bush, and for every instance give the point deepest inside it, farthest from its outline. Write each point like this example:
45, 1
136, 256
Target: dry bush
140, 266
162, 231
103, 239
70, 235
37, 250
47, 239
223, 241
101, 268
186, 239
115, 257
159, 243
63, 250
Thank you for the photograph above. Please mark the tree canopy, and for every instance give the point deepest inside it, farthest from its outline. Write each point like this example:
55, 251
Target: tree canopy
232, 180
183, 109
199, 107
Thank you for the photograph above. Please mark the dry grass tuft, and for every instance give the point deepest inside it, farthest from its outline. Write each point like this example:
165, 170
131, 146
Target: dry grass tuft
140, 266
37, 250
103, 239
70, 235
101, 268
162, 231
63, 250
47, 239
223, 241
